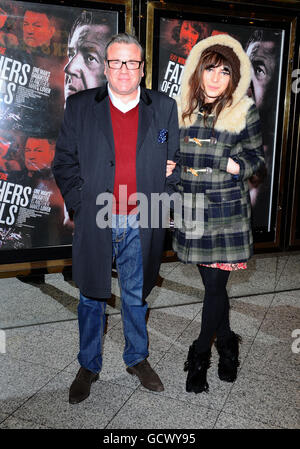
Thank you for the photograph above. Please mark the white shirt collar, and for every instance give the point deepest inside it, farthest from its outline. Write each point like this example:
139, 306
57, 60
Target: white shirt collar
123, 107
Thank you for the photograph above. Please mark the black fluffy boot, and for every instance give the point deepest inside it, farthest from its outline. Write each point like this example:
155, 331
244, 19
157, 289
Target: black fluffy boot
197, 365
229, 357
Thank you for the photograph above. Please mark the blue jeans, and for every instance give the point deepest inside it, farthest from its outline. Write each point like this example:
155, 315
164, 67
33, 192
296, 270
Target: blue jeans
126, 247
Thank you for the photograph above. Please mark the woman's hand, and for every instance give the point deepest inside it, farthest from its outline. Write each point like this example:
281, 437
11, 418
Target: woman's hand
232, 167
170, 167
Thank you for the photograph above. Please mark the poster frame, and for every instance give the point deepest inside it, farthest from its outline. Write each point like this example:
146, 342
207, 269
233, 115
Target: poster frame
264, 240
294, 238
16, 261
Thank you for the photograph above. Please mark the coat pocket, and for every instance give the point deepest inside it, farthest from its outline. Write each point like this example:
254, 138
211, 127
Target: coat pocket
224, 207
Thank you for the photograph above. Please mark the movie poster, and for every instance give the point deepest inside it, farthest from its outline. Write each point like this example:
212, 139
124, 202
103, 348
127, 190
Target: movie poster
47, 53
264, 48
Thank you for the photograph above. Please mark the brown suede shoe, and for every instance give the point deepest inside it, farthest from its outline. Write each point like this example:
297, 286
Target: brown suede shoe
81, 386
148, 377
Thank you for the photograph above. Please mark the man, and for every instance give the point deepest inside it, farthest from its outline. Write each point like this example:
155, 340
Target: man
117, 136
4, 146
38, 154
263, 49
37, 28
45, 227
86, 44
7, 39
44, 108
85, 69
10, 159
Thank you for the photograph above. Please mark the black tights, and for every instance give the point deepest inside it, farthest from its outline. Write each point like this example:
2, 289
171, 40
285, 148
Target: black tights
215, 312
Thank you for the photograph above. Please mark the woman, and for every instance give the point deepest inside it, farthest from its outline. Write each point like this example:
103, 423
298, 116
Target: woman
221, 147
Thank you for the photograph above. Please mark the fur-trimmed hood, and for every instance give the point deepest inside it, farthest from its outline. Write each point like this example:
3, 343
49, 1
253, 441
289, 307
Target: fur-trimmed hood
232, 118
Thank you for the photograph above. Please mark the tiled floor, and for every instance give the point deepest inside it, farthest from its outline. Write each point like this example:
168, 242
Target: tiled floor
39, 362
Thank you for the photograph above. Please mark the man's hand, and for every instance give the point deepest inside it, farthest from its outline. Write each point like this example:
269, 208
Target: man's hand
68, 219
232, 167
170, 167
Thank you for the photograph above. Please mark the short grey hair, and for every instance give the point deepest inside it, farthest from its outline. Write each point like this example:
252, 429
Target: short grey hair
124, 38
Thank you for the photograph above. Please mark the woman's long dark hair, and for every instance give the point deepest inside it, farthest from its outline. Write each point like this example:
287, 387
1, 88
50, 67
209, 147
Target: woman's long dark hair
196, 98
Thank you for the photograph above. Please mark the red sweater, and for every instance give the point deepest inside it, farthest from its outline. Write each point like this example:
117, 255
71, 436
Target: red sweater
125, 129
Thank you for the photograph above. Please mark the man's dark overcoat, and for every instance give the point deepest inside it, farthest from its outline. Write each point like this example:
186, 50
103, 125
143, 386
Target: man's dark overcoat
84, 167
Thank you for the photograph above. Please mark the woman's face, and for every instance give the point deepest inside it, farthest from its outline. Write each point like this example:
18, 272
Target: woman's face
214, 82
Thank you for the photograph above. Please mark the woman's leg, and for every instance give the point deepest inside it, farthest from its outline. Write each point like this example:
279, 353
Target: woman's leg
215, 320
215, 312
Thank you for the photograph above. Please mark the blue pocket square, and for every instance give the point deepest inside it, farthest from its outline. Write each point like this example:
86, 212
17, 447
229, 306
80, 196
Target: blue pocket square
162, 135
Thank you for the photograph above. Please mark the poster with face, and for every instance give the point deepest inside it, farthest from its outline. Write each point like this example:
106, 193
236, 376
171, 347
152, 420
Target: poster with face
264, 48
47, 53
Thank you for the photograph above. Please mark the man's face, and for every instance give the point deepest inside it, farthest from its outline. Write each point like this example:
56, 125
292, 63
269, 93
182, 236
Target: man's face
188, 37
39, 154
85, 68
263, 59
124, 82
4, 146
37, 29
3, 17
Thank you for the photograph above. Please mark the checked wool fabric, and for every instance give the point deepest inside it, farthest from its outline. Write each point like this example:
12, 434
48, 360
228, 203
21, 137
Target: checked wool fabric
227, 236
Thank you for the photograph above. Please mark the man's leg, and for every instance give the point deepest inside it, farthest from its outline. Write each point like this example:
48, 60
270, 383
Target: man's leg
128, 253
91, 321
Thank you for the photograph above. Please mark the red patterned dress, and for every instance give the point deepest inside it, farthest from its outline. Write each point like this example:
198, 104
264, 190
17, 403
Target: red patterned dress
227, 266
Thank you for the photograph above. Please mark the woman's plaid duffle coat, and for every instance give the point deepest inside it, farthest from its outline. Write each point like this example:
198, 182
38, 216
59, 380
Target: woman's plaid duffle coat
219, 201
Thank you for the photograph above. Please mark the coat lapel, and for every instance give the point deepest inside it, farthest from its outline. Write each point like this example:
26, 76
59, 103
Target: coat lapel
145, 117
102, 113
